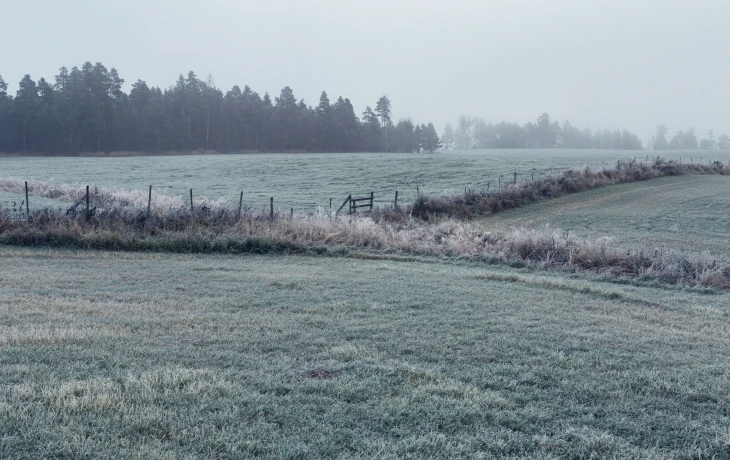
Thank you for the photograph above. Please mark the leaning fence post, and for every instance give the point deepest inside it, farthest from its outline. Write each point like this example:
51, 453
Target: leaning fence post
347, 200
191, 200
87, 203
240, 205
271, 213
27, 206
149, 202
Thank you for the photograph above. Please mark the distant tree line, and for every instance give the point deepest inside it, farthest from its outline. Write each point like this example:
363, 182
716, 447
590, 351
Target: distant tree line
475, 133
86, 110
688, 140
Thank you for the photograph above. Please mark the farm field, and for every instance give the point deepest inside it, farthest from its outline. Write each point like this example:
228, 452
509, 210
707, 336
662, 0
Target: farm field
305, 181
119, 354
687, 213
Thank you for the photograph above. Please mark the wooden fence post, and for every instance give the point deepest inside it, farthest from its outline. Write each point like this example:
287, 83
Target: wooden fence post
291, 216
27, 206
372, 200
418, 192
396, 198
240, 205
149, 202
330, 206
271, 214
191, 200
347, 200
88, 213
515, 178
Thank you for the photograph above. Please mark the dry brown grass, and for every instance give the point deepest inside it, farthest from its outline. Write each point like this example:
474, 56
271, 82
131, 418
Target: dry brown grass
424, 230
513, 195
324, 235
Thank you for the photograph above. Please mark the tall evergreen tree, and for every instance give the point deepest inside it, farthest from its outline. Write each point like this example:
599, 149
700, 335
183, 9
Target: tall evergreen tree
419, 136
430, 141
324, 127
660, 139
448, 137
723, 142
26, 106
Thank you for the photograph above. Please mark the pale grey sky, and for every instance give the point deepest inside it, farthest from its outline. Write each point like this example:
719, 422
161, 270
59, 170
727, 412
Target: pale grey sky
599, 63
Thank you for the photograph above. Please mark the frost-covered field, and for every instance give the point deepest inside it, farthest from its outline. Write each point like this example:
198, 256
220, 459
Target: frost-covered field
188, 356
301, 181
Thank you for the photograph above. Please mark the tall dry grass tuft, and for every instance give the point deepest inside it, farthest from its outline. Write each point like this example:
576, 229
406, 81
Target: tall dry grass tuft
100, 197
221, 231
475, 204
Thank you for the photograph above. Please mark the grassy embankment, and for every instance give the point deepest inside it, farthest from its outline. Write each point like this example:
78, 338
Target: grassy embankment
173, 356
427, 228
483, 203
689, 213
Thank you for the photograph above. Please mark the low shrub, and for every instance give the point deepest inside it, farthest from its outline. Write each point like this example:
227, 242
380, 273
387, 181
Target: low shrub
432, 226
484, 203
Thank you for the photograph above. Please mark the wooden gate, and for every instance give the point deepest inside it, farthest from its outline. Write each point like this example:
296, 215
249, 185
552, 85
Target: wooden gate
358, 203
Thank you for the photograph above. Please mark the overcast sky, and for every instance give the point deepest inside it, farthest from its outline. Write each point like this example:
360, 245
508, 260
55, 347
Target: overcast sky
619, 64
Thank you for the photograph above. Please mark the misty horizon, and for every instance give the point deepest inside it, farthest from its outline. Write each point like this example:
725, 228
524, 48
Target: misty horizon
617, 65
127, 86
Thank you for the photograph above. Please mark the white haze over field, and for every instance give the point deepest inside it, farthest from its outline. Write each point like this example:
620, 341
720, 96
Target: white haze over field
604, 64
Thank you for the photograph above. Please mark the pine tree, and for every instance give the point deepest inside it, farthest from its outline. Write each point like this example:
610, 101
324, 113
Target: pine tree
324, 126
431, 141
660, 139
383, 111
723, 142
26, 105
448, 137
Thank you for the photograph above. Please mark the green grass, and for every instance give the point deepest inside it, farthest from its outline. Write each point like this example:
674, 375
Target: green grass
688, 213
152, 355
305, 181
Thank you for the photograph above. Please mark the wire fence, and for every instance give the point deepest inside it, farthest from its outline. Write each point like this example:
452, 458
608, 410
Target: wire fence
22, 203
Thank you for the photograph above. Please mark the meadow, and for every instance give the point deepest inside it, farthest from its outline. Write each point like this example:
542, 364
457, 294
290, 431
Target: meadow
689, 213
567, 327
188, 356
306, 181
